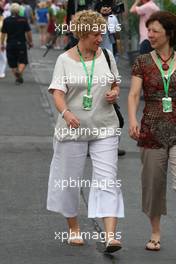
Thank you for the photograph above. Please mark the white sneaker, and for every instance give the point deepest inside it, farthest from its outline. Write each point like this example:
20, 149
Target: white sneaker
43, 47
2, 75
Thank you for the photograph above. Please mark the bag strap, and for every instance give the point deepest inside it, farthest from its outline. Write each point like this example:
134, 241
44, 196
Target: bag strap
115, 105
107, 57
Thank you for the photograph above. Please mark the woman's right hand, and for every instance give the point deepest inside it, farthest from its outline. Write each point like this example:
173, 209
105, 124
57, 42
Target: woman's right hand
71, 120
134, 130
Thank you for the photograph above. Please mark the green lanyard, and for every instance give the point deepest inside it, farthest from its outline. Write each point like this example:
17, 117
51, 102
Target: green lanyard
82, 2
166, 82
89, 77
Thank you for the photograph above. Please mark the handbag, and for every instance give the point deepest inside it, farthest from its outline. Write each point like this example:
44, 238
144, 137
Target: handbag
115, 105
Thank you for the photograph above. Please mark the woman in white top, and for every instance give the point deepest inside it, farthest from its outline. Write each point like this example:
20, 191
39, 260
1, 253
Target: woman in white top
84, 89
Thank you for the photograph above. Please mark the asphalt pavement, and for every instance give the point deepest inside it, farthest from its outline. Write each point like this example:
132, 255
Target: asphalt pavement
29, 234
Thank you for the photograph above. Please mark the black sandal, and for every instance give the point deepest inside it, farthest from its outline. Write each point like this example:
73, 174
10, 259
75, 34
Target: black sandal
111, 247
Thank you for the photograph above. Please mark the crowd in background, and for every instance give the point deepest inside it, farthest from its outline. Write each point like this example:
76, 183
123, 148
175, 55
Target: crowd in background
44, 15
47, 16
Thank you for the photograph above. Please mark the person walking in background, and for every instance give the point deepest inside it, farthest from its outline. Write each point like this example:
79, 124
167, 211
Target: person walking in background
144, 8
109, 35
72, 7
155, 72
3, 60
113, 27
26, 11
52, 10
42, 17
6, 12
17, 30
60, 19
108, 38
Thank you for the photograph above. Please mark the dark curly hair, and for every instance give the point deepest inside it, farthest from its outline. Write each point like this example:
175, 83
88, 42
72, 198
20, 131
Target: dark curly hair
168, 21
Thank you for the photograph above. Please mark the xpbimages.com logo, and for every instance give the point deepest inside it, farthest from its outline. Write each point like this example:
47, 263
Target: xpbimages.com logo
82, 183
81, 79
102, 236
104, 28
82, 131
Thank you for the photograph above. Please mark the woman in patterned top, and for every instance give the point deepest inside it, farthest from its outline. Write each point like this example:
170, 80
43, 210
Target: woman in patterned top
155, 72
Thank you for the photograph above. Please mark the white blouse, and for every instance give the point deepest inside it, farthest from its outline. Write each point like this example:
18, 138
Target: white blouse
69, 76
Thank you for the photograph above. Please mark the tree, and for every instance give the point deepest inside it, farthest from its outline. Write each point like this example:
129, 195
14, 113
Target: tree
170, 5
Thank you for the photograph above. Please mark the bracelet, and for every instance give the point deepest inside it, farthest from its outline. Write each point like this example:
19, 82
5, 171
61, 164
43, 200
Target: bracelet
64, 111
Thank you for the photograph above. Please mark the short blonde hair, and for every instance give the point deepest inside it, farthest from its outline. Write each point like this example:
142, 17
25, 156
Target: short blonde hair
87, 21
15, 8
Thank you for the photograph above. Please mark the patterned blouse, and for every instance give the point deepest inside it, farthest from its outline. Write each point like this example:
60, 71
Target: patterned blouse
158, 129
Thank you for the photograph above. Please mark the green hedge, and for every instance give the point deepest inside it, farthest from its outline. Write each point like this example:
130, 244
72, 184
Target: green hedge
133, 20
169, 6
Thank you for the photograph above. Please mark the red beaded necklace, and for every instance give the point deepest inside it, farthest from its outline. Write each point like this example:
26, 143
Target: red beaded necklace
165, 66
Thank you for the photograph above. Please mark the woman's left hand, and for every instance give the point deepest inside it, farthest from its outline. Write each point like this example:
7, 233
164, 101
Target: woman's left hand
111, 96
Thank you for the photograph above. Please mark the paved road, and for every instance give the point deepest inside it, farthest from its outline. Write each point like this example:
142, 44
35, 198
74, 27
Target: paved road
27, 230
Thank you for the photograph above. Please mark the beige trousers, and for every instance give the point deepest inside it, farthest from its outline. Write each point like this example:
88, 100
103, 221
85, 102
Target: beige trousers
154, 178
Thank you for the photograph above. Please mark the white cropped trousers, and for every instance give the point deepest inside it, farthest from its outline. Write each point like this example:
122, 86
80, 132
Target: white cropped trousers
67, 169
